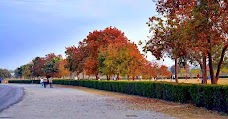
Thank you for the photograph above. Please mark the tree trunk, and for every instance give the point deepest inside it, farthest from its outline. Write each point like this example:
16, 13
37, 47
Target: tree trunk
204, 69
176, 77
107, 76
83, 75
71, 75
118, 76
97, 76
220, 63
211, 69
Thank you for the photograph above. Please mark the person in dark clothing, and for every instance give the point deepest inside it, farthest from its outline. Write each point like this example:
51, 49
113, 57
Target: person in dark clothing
1, 79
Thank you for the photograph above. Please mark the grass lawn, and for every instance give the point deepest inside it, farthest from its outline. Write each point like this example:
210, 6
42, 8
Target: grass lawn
221, 81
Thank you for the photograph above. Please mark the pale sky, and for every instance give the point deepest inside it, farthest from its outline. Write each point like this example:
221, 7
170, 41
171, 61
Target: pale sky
30, 28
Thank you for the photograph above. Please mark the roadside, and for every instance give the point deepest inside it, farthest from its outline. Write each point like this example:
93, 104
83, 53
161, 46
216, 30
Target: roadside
183, 111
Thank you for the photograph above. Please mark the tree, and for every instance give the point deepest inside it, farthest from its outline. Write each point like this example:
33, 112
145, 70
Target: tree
110, 58
163, 71
63, 71
18, 72
27, 72
50, 67
165, 39
202, 26
76, 57
4, 73
38, 65
97, 40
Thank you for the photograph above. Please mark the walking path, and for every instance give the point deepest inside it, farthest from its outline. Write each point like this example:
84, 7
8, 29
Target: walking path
69, 103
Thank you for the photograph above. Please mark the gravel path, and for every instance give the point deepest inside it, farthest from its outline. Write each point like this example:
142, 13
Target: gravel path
69, 103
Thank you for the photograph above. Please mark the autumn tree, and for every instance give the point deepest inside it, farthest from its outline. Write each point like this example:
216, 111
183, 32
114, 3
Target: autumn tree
202, 25
27, 71
110, 58
97, 40
63, 71
163, 71
50, 67
76, 57
210, 23
38, 65
150, 70
165, 39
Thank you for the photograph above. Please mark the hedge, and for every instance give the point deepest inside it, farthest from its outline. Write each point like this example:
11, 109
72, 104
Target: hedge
213, 97
24, 81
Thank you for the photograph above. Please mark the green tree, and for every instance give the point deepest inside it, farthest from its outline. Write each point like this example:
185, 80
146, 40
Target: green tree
27, 72
4, 73
50, 67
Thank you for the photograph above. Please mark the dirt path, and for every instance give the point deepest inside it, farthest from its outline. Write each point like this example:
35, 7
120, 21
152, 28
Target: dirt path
63, 102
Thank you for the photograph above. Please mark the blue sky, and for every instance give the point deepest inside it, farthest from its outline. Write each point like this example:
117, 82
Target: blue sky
30, 28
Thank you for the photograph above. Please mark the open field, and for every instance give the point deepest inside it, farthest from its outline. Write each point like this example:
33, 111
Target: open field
221, 81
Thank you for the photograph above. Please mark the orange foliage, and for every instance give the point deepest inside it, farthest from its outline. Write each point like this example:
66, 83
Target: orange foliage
62, 70
163, 71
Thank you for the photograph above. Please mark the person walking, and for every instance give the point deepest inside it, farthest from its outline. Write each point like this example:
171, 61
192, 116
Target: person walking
186, 78
42, 81
198, 77
45, 82
50, 82
1, 79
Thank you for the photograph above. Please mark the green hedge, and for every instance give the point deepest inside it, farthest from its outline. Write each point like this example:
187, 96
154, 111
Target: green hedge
24, 81
213, 97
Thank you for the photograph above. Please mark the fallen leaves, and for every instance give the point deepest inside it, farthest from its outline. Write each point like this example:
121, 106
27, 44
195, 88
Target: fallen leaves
183, 111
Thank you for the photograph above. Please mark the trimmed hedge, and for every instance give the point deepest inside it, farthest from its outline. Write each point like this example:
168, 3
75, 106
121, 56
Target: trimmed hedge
213, 97
24, 81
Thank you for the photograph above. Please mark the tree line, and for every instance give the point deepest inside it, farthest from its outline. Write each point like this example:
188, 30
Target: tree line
105, 52
193, 31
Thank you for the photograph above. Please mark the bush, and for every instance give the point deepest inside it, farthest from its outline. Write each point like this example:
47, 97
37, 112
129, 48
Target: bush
213, 97
223, 76
25, 81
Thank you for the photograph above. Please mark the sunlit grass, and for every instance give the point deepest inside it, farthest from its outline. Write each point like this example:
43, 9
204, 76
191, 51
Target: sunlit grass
221, 81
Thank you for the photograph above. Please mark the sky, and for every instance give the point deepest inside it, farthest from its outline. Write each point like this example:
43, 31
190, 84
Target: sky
30, 28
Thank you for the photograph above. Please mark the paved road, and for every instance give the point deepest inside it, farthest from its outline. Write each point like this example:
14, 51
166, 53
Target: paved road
9, 95
68, 103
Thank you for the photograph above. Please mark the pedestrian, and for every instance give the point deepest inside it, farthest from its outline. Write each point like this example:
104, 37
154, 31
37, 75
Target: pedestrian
1, 79
50, 82
201, 80
174, 77
45, 82
198, 77
75, 78
186, 78
42, 81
